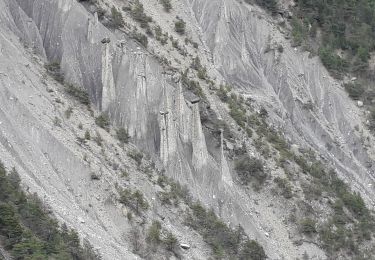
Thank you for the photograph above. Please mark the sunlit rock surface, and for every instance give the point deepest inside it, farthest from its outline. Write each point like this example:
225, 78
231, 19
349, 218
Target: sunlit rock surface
126, 81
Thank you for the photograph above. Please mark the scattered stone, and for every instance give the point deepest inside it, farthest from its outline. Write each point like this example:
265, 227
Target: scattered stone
185, 246
359, 103
229, 145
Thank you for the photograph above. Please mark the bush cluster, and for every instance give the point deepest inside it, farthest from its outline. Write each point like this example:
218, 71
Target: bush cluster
79, 94
166, 4
103, 121
134, 200
28, 232
180, 26
250, 170
225, 242
138, 14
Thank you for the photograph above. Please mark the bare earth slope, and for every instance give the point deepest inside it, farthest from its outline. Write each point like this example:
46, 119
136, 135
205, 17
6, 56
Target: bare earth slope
239, 45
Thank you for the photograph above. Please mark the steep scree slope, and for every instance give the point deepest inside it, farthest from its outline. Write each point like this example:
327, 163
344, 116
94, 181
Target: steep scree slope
128, 83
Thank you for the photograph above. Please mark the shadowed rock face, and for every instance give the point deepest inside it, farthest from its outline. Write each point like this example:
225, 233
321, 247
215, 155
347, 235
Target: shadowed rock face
128, 83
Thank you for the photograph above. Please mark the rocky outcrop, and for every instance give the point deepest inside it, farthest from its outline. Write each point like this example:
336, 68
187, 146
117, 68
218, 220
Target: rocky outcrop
129, 84
238, 37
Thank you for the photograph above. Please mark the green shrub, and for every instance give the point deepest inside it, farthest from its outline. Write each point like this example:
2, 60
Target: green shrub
355, 203
167, 5
170, 242
54, 70
129, 216
196, 63
250, 169
140, 37
87, 135
284, 185
103, 121
28, 231
299, 31
57, 121
78, 94
332, 61
239, 116
160, 36
134, 200
270, 5
153, 234
122, 135
192, 85
180, 26
116, 18
98, 139
307, 226
344, 25
354, 90
68, 112
94, 176
222, 93
251, 250
139, 15
225, 242
202, 73
136, 156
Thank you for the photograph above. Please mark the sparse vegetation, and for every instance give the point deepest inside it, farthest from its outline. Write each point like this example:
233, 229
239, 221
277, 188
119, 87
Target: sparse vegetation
170, 242
160, 36
355, 90
270, 5
122, 135
116, 18
308, 226
236, 106
134, 200
349, 226
192, 85
103, 121
166, 4
28, 232
87, 135
98, 139
79, 94
175, 193
353, 221
68, 112
136, 156
94, 176
250, 170
57, 121
138, 14
285, 187
225, 242
153, 234
54, 70
140, 37
180, 26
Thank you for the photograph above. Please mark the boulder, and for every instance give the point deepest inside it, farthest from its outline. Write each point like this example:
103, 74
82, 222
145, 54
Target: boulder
185, 246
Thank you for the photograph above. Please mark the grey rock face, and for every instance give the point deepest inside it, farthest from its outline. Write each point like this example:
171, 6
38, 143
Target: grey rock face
237, 36
125, 81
